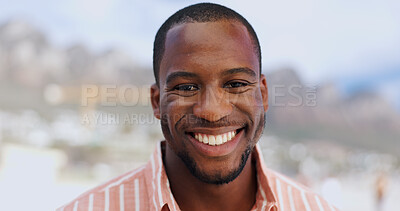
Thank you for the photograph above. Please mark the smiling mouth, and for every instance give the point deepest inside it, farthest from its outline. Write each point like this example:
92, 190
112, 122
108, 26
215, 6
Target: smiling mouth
215, 140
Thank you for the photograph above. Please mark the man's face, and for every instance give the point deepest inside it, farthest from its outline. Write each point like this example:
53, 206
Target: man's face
210, 90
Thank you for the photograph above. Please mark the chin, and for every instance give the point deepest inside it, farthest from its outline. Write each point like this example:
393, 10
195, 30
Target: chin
215, 176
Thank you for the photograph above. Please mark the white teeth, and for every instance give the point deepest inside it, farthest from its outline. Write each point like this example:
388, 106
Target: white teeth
211, 140
229, 136
218, 140
224, 138
215, 140
205, 139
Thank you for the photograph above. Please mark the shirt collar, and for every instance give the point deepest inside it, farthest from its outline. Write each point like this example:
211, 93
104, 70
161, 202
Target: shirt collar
265, 198
159, 192
161, 197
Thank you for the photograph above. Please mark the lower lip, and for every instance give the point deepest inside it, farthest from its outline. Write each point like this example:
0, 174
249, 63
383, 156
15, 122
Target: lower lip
218, 150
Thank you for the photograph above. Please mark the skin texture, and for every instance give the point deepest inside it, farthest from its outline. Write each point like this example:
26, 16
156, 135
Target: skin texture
210, 83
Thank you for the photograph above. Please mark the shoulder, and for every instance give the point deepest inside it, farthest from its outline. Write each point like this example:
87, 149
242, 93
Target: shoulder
293, 195
109, 193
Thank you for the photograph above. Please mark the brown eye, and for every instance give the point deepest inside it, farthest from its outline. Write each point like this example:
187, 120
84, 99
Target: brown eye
235, 84
186, 87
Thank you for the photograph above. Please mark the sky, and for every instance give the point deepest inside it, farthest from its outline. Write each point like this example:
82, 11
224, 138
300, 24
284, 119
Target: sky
353, 43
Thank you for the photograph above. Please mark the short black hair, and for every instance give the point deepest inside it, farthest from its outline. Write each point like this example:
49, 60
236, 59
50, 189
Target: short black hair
202, 12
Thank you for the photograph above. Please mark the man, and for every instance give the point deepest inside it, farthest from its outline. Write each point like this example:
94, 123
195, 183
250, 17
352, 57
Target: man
211, 99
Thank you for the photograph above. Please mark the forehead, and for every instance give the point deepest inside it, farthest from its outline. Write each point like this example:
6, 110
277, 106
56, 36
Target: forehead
208, 46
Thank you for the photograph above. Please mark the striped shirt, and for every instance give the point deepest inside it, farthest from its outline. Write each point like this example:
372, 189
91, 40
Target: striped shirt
147, 188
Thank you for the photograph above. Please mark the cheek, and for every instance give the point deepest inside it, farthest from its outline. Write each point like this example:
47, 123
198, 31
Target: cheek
251, 105
174, 109
250, 101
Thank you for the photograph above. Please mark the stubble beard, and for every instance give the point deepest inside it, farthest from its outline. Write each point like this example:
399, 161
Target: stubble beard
216, 178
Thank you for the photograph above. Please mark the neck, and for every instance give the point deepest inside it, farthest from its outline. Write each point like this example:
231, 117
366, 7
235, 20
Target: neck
192, 194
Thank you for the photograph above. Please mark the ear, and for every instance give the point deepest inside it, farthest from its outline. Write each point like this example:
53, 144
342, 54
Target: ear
155, 100
264, 91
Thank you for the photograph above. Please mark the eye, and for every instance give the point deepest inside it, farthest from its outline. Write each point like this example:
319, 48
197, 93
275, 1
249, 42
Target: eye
186, 87
236, 84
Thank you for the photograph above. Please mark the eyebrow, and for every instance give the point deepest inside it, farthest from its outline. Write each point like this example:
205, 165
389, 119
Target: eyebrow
180, 74
244, 70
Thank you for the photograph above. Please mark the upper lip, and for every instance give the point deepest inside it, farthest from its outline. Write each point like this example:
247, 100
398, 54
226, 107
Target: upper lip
213, 131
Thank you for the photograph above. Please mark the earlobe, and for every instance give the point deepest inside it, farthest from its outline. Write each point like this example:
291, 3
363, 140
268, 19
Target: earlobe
155, 100
264, 91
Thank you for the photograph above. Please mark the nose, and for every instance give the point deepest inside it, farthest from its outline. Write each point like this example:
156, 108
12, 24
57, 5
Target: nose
213, 104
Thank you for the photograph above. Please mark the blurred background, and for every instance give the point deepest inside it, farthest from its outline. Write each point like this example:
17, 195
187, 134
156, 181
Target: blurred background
75, 111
